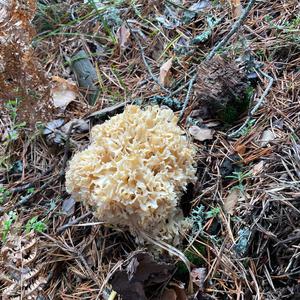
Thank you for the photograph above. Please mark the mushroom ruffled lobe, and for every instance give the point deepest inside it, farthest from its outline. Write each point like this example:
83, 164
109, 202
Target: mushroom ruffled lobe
133, 173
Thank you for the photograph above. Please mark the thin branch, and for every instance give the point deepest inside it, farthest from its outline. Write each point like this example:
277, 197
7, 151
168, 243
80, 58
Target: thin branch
111, 109
222, 43
265, 93
154, 78
73, 222
187, 97
233, 30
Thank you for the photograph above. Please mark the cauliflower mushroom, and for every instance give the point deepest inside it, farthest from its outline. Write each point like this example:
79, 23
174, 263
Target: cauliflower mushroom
134, 171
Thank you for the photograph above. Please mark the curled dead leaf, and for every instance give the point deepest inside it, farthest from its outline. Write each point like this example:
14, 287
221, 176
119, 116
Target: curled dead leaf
63, 92
123, 35
141, 277
201, 134
231, 201
164, 73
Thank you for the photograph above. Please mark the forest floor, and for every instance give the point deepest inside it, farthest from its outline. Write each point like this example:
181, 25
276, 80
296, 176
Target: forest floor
239, 104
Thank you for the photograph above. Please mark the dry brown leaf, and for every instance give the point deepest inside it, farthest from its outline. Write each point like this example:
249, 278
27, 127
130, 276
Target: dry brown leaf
169, 294
123, 35
231, 200
201, 134
164, 73
138, 277
63, 92
180, 293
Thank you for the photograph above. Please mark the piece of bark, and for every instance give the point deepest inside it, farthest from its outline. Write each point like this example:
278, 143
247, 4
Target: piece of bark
86, 75
221, 85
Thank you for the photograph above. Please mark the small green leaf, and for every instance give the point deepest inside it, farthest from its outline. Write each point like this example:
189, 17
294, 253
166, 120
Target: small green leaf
34, 225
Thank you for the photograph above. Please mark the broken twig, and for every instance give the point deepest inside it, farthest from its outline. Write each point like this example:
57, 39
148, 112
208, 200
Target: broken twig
73, 222
154, 78
187, 97
102, 112
233, 30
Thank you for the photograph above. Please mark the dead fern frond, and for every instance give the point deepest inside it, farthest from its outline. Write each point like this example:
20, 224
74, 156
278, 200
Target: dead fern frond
34, 287
17, 58
19, 275
29, 245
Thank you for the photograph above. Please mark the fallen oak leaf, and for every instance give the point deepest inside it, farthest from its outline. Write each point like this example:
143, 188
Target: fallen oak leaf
201, 134
164, 72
